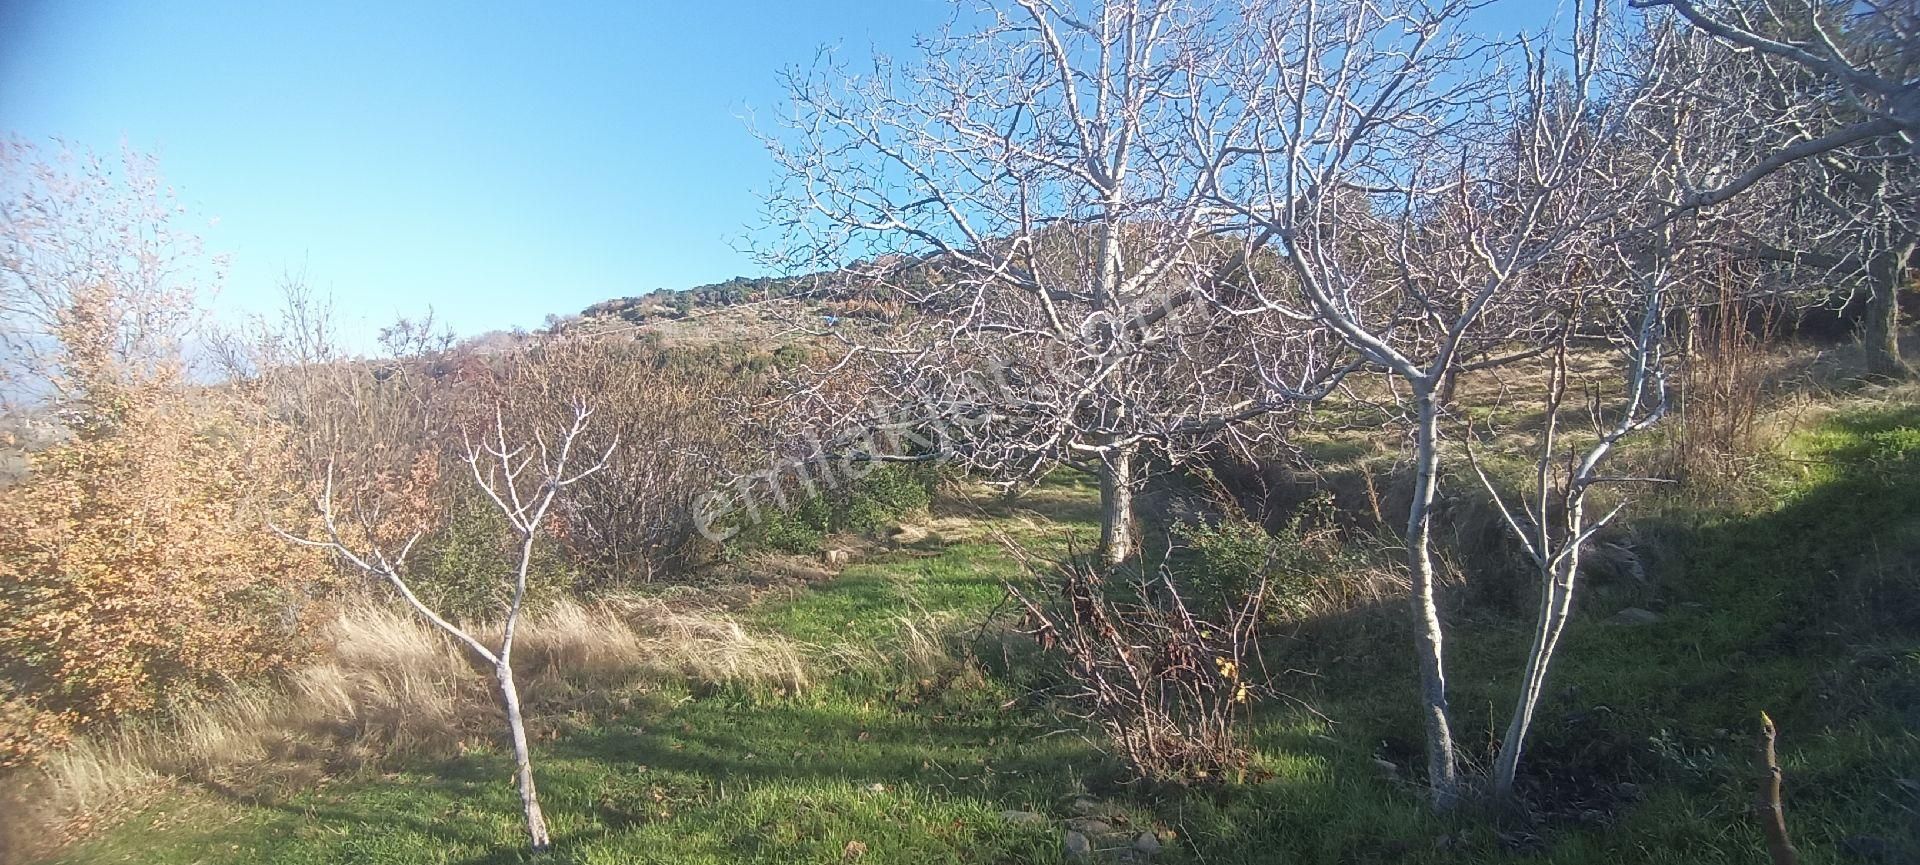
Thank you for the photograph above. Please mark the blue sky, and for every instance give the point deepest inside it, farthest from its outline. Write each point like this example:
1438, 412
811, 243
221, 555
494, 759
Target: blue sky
496, 161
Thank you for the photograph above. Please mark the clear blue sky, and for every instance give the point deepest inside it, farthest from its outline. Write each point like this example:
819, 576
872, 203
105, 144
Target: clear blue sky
496, 161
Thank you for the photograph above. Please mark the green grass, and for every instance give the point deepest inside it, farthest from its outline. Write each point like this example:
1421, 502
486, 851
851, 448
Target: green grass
869, 601
1808, 608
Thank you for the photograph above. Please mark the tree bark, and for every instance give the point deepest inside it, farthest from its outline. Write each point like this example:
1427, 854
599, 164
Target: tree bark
1442, 771
523, 761
1773, 815
1556, 606
1116, 506
1880, 331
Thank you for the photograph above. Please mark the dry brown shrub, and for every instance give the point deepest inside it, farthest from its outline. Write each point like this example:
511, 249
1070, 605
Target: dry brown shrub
139, 567
392, 431
1715, 441
685, 421
1170, 690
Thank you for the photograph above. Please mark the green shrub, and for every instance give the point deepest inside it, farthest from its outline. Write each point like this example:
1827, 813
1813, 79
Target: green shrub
1226, 559
791, 356
465, 569
884, 497
802, 528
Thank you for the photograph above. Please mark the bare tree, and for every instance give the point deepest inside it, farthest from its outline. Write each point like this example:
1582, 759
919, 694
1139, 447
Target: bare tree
1875, 75
1552, 522
1618, 284
1041, 191
522, 480
1825, 98
1850, 220
1421, 186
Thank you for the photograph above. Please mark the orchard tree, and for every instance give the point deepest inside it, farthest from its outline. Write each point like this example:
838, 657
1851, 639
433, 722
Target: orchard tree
1618, 301
1428, 192
1041, 192
522, 479
1825, 96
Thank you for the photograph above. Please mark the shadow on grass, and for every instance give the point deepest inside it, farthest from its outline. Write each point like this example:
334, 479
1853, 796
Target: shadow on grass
969, 751
1809, 610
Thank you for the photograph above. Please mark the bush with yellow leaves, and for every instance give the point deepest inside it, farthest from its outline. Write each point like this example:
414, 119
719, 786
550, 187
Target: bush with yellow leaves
135, 562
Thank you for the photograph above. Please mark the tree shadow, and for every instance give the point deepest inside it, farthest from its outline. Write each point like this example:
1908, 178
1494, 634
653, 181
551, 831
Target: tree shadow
1805, 610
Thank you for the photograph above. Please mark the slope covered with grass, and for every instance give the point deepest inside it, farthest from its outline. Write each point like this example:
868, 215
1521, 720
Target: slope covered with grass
917, 733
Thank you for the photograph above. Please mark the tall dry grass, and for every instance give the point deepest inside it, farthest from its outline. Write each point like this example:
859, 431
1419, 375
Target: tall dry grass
387, 686
1715, 439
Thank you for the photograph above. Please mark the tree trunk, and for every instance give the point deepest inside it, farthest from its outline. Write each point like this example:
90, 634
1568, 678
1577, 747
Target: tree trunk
1442, 774
1116, 506
523, 761
1773, 816
1880, 332
1556, 606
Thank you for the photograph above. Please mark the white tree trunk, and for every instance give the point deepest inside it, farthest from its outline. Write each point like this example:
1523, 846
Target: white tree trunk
1880, 331
1116, 506
523, 760
1442, 771
1556, 606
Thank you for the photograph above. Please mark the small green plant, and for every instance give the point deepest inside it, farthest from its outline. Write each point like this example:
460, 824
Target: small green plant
888, 495
1232, 555
871, 503
802, 528
462, 566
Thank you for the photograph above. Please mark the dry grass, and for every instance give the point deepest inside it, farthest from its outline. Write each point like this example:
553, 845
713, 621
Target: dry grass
386, 686
925, 644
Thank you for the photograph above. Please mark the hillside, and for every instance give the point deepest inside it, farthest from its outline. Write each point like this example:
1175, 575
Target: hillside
905, 735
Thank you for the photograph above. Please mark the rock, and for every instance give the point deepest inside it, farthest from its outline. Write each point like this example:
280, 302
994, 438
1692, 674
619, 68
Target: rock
1614, 560
1077, 846
1634, 616
1627, 790
1085, 807
906, 536
1091, 827
1023, 818
1387, 769
1147, 844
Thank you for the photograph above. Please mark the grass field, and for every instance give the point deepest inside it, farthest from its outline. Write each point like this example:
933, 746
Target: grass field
914, 736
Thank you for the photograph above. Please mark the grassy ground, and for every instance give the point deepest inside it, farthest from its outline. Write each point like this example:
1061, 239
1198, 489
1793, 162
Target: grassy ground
1807, 607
